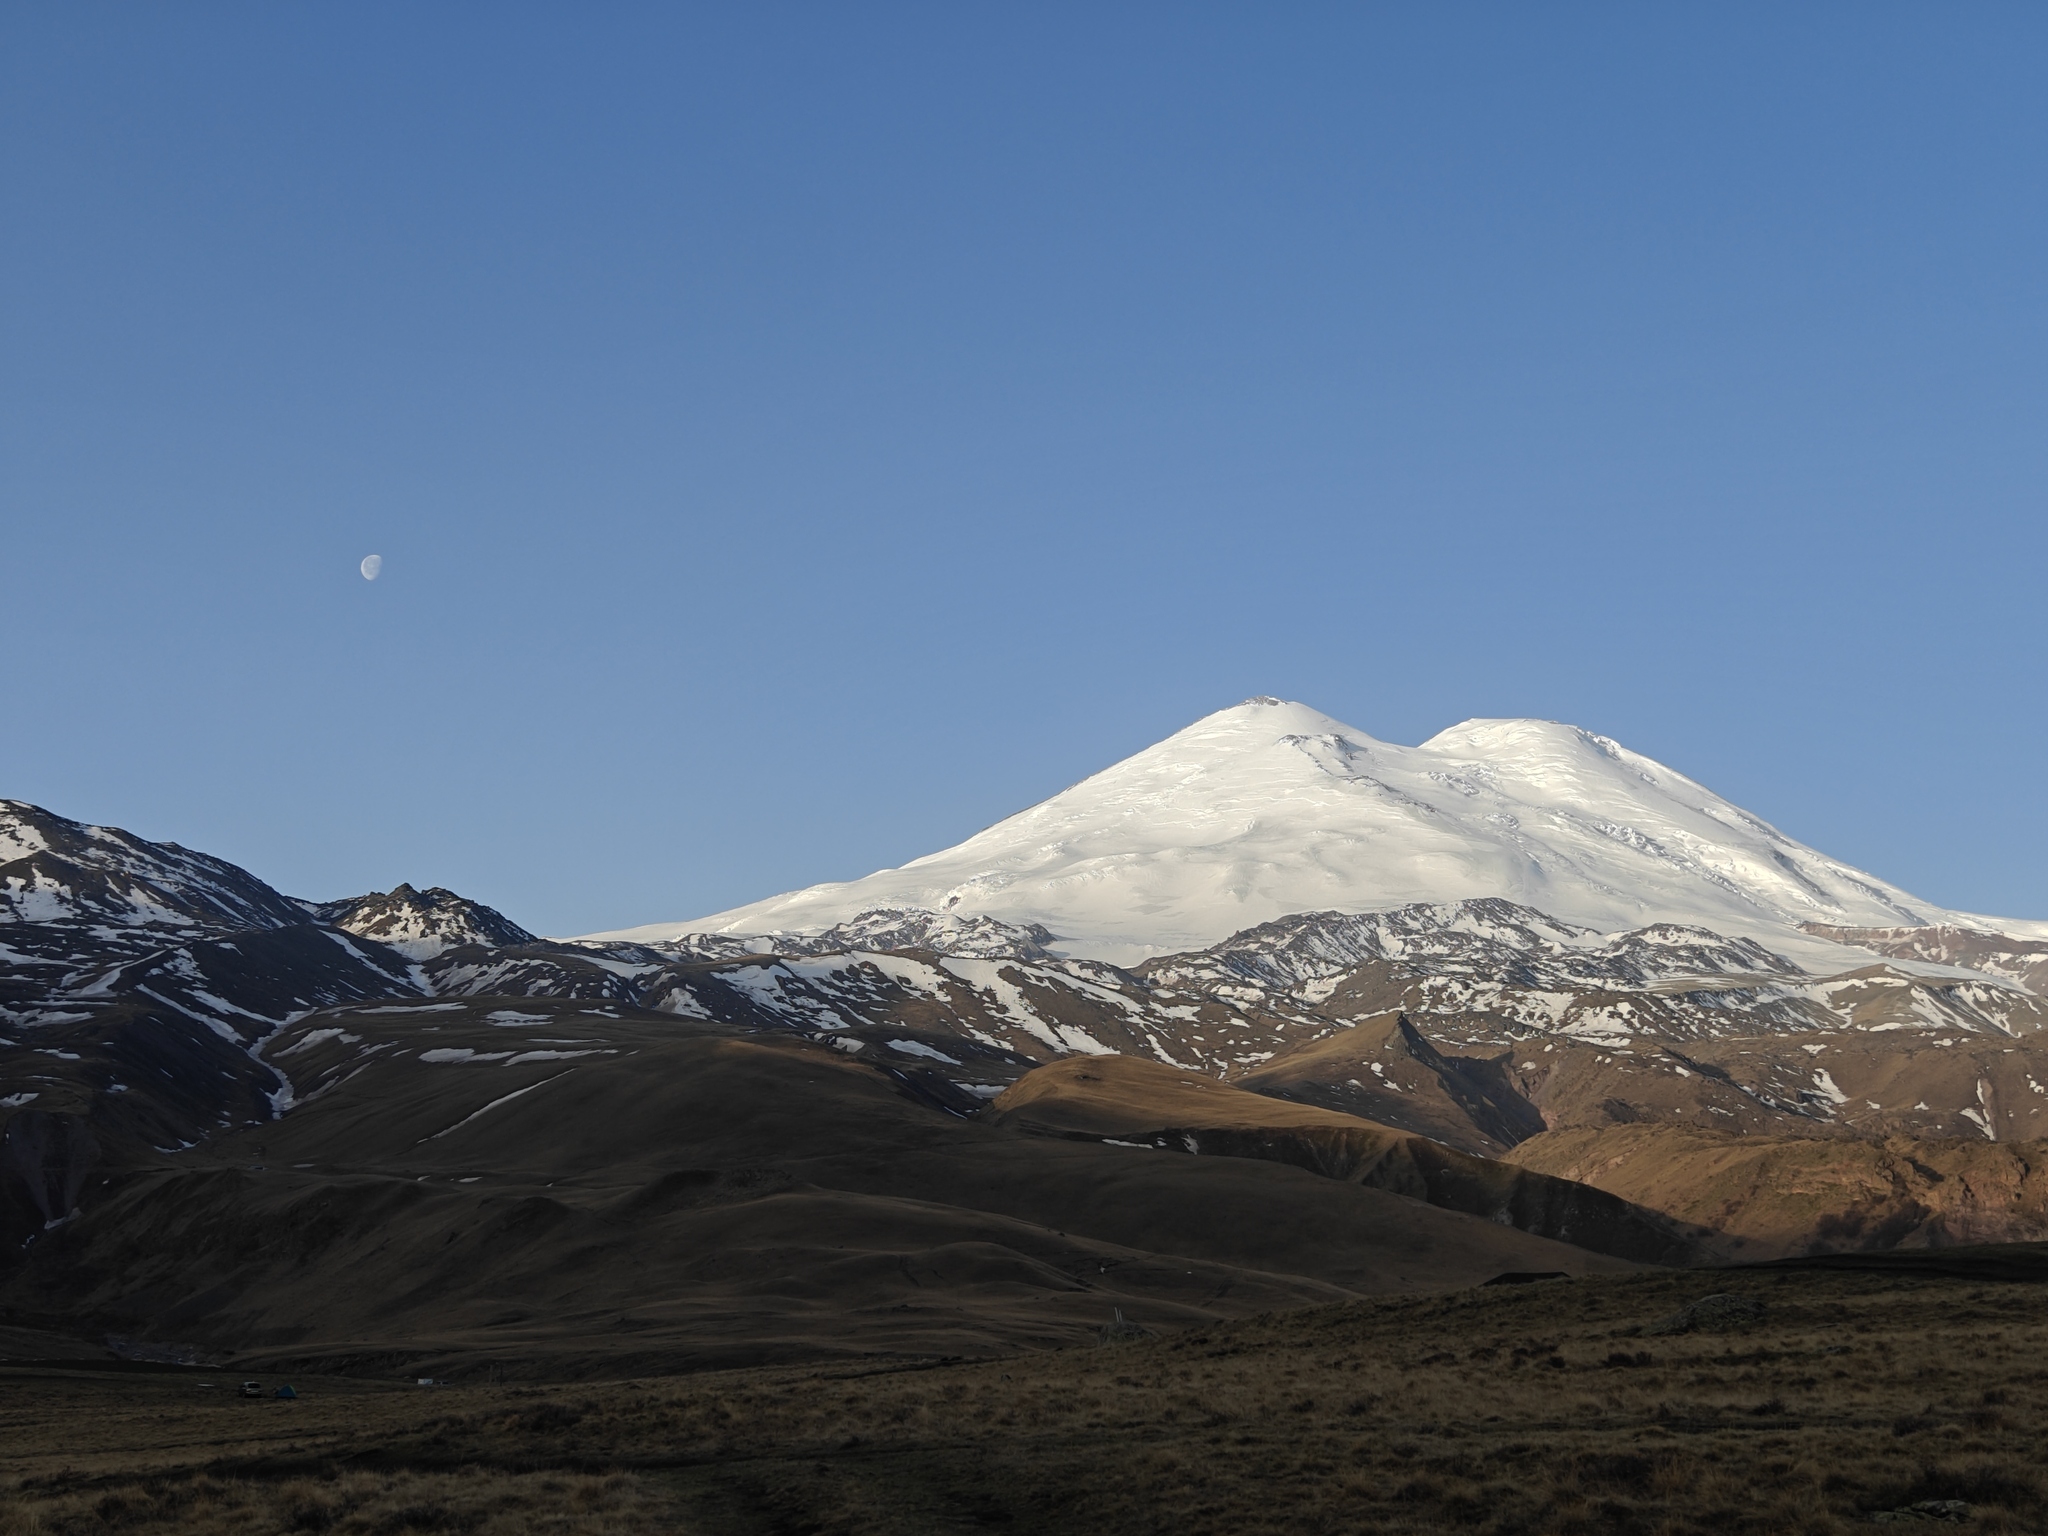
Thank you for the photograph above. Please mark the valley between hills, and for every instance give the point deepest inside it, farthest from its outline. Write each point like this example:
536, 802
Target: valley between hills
1248, 1135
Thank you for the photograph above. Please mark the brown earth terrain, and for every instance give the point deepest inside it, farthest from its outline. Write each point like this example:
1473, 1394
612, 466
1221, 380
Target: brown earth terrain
1458, 1080
1815, 1401
1778, 1196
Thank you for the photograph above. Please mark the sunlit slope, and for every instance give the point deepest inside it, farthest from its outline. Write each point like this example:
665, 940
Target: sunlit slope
1271, 808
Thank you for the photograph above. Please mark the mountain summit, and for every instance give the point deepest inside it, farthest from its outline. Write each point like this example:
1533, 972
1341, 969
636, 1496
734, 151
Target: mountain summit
1270, 808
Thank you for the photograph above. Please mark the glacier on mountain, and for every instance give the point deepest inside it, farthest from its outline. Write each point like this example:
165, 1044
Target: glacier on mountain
1272, 808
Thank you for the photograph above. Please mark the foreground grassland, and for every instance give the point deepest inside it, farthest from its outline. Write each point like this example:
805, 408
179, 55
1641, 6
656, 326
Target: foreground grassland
1540, 1408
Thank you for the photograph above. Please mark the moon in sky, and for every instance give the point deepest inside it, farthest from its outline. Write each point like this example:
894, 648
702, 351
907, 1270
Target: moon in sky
372, 564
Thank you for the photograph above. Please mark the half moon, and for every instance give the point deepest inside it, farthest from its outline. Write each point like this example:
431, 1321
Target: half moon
372, 564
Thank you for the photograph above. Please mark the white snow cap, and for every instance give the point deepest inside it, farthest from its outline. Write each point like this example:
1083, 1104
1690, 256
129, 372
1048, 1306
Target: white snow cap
1271, 808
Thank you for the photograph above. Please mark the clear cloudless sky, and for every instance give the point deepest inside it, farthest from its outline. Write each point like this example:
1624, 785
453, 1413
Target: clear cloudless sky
799, 435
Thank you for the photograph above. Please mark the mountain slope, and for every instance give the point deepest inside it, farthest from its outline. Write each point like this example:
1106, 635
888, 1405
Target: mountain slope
138, 982
1271, 808
55, 870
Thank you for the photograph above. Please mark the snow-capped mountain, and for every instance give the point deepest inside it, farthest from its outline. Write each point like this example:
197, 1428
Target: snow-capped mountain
1271, 808
421, 924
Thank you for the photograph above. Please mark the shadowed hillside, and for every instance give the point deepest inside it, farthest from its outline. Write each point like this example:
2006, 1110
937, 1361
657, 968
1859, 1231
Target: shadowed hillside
558, 1190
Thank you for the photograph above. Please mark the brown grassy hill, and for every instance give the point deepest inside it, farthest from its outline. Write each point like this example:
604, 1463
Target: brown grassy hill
555, 1187
1451, 1079
1126, 1099
1383, 1068
1799, 1195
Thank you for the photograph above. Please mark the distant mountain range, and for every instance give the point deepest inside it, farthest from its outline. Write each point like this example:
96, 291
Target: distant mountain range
1516, 999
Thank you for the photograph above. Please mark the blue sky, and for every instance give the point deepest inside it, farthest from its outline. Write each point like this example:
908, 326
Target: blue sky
801, 435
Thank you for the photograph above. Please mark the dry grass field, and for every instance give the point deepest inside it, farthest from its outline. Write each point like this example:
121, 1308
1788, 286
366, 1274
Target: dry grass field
1554, 1407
